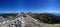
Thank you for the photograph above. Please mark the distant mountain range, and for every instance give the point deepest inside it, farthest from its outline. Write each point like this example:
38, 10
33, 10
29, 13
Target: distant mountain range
56, 14
8, 14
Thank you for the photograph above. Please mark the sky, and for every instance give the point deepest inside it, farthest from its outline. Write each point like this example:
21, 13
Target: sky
38, 6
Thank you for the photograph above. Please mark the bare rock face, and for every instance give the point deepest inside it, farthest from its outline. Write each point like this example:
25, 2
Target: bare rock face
1, 19
31, 22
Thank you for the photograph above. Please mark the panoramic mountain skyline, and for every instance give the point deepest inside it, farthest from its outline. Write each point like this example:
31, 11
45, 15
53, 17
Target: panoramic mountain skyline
39, 6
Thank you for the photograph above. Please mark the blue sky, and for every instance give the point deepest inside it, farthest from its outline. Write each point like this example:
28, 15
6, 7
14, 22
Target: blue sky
39, 6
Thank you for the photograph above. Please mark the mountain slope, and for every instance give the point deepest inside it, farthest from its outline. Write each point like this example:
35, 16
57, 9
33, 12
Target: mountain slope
31, 22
